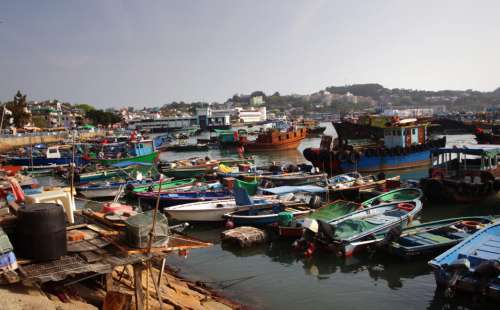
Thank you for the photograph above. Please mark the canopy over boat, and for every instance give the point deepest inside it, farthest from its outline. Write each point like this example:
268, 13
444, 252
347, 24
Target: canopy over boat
489, 150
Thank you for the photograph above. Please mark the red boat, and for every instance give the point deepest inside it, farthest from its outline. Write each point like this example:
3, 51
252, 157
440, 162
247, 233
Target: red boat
486, 137
274, 139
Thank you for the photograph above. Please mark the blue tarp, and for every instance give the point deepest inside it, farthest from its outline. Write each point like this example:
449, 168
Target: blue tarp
282, 190
123, 164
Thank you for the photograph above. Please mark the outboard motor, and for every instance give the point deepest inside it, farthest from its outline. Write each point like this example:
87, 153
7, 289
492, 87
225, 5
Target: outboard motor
457, 268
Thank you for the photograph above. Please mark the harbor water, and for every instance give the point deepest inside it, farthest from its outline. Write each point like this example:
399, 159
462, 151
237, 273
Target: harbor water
272, 276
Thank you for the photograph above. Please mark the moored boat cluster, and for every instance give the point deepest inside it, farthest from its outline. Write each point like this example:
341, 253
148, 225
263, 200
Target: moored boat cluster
340, 202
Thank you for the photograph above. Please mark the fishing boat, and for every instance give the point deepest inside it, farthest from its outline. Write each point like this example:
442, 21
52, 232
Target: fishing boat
264, 215
138, 151
294, 179
198, 167
436, 236
165, 185
213, 211
486, 136
339, 208
148, 199
290, 228
350, 184
352, 232
463, 174
51, 157
125, 169
275, 139
472, 265
186, 147
404, 145
188, 172
107, 189
406, 194
315, 131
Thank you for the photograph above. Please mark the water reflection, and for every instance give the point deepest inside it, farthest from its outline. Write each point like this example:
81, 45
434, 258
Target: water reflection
459, 302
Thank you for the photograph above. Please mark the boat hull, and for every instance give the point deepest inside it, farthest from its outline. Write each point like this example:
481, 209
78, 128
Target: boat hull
211, 215
447, 191
186, 173
44, 162
99, 193
149, 158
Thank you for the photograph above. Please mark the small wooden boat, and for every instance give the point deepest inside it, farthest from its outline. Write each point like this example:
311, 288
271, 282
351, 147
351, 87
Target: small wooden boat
165, 185
339, 208
395, 196
472, 265
327, 213
101, 190
213, 211
183, 197
352, 232
432, 237
51, 157
463, 174
274, 139
188, 172
139, 151
299, 178
264, 215
186, 147
111, 173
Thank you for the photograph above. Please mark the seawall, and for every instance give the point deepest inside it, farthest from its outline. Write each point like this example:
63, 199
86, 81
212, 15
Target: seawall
10, 142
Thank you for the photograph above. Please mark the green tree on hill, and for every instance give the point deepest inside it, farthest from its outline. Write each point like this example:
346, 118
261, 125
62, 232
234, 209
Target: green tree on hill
19, 109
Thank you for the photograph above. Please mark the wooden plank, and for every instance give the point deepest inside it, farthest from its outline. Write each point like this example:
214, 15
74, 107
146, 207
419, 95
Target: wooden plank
102, 231
139, 293
108, 281
117, 301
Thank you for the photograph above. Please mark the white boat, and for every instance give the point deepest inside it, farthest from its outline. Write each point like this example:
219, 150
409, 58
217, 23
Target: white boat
213, 211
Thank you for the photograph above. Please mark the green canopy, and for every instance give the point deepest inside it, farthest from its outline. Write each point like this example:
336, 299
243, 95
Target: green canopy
88, 126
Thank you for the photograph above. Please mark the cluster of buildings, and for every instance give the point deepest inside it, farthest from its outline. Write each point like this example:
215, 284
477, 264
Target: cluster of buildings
205, 118
54, 114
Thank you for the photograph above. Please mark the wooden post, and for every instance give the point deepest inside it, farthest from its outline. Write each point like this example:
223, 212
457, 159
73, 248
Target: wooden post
108, 279
139, 294
162, 269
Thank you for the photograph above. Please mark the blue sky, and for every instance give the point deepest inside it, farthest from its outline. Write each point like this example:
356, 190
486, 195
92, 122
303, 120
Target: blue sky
147, 53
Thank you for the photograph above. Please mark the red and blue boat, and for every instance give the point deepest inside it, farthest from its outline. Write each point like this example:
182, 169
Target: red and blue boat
404, 145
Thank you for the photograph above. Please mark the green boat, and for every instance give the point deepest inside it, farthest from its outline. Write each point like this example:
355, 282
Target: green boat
140, 151
187, 172
397, 195
326, 213
250, 187
341, 208
164, 185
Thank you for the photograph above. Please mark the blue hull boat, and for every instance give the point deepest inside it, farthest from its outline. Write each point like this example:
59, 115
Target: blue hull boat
178, 198
44, 162
472, 265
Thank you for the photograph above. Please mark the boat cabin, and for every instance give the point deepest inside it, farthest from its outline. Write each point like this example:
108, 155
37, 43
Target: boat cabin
471, 164
53, 152
405, 136
139, 148
274, 136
